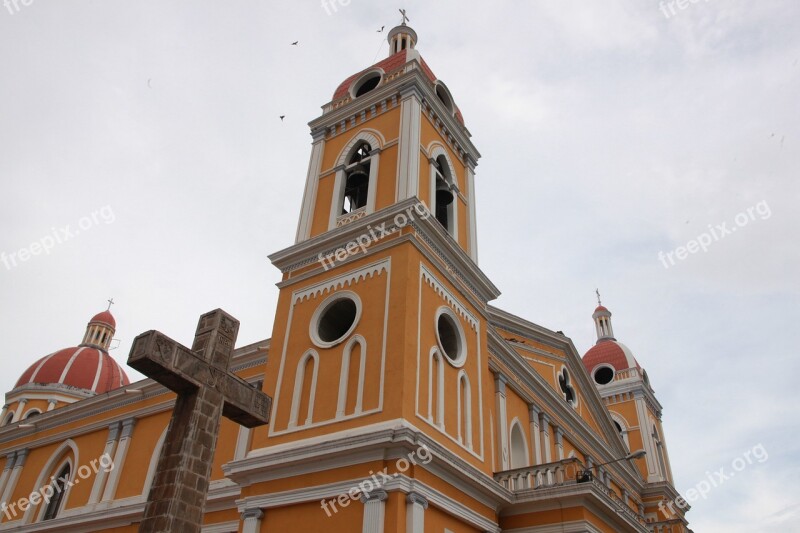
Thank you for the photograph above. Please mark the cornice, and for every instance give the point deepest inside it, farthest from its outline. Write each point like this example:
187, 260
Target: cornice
455, 260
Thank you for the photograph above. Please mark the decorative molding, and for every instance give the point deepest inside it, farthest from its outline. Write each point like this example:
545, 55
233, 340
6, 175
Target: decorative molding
344, 280
428, 276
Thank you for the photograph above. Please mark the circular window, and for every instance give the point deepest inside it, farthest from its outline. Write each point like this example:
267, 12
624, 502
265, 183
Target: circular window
604, 375
335, 319
444, 95
367, 83
450, 337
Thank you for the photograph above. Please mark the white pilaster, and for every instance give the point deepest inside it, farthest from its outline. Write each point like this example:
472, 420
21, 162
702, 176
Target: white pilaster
10, 459
559, 442
119, 459
20, 408
312, 182
102, 474
544, 424
51, 404
472, 224
409, 147
374, 511
16, 471
3, 415
536, 437
415, 512
242, 443
502, 418
251, 520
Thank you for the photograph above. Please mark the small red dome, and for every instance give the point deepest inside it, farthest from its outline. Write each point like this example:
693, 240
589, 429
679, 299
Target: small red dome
105, 318
612, 353
390, 64
601, 308
83, 367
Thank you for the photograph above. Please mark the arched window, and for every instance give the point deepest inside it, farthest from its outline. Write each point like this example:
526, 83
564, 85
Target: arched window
32, 413
519, 446
351, 378
305, 388
464, 410
9, 419
60, 486
357, 174
436, 389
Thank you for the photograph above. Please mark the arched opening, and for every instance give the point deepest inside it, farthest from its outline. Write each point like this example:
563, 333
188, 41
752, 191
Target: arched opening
604, 375
367, 83
565, 384
32, 413
357, 172
444, 199
519, 447
9, 419
60, 486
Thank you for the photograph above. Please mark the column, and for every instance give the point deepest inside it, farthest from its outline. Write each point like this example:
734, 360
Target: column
3, 415
251, 519
536, 438
119, 459
559, 442
502, 422
51, 404
409, 147
102, 474
20, 408
16, 470
374, 511
415, 512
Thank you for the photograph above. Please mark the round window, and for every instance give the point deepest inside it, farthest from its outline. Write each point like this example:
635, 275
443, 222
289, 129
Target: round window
604, 375
335, 319
367, 83
450, 337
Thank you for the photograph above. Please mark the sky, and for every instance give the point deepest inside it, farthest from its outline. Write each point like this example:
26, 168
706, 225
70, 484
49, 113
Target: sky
646, 150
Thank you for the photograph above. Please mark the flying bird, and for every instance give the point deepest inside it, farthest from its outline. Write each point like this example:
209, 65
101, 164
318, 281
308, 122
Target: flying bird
295, 43
380, 30
282, 117
149, 85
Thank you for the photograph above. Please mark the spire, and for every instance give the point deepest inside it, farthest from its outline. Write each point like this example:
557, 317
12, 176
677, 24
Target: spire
602, 321
402, 37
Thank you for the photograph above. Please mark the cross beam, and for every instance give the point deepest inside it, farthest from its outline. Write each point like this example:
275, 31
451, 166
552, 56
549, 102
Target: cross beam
207, 391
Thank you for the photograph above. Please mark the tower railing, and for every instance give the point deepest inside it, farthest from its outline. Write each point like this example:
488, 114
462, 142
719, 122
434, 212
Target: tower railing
546, 475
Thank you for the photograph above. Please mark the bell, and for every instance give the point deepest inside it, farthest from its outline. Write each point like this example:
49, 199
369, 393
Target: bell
443, 194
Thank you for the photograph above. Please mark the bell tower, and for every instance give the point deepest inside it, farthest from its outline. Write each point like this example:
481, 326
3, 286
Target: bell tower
391, 133
382, 314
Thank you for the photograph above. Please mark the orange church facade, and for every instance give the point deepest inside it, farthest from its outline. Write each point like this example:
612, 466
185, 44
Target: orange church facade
402, 400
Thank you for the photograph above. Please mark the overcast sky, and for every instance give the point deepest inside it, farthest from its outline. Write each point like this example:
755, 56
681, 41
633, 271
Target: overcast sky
610, 132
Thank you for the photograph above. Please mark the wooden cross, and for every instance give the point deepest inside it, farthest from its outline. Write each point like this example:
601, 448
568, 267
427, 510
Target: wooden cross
405, 18
207, 390
110, 303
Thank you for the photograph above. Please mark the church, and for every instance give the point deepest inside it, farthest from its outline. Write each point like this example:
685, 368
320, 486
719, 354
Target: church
401, 399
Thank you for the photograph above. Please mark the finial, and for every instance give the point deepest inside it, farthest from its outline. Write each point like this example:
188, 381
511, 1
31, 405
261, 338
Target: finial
110, 303
405, 17
597, 291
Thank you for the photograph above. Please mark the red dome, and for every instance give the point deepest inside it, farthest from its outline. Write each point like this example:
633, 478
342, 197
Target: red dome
388, 65
612, 353
81, 367
105, 318
601, 308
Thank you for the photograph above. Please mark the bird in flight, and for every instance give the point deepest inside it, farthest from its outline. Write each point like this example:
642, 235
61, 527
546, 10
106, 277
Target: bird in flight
282, 117
149, 85
380, 30
295, 43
